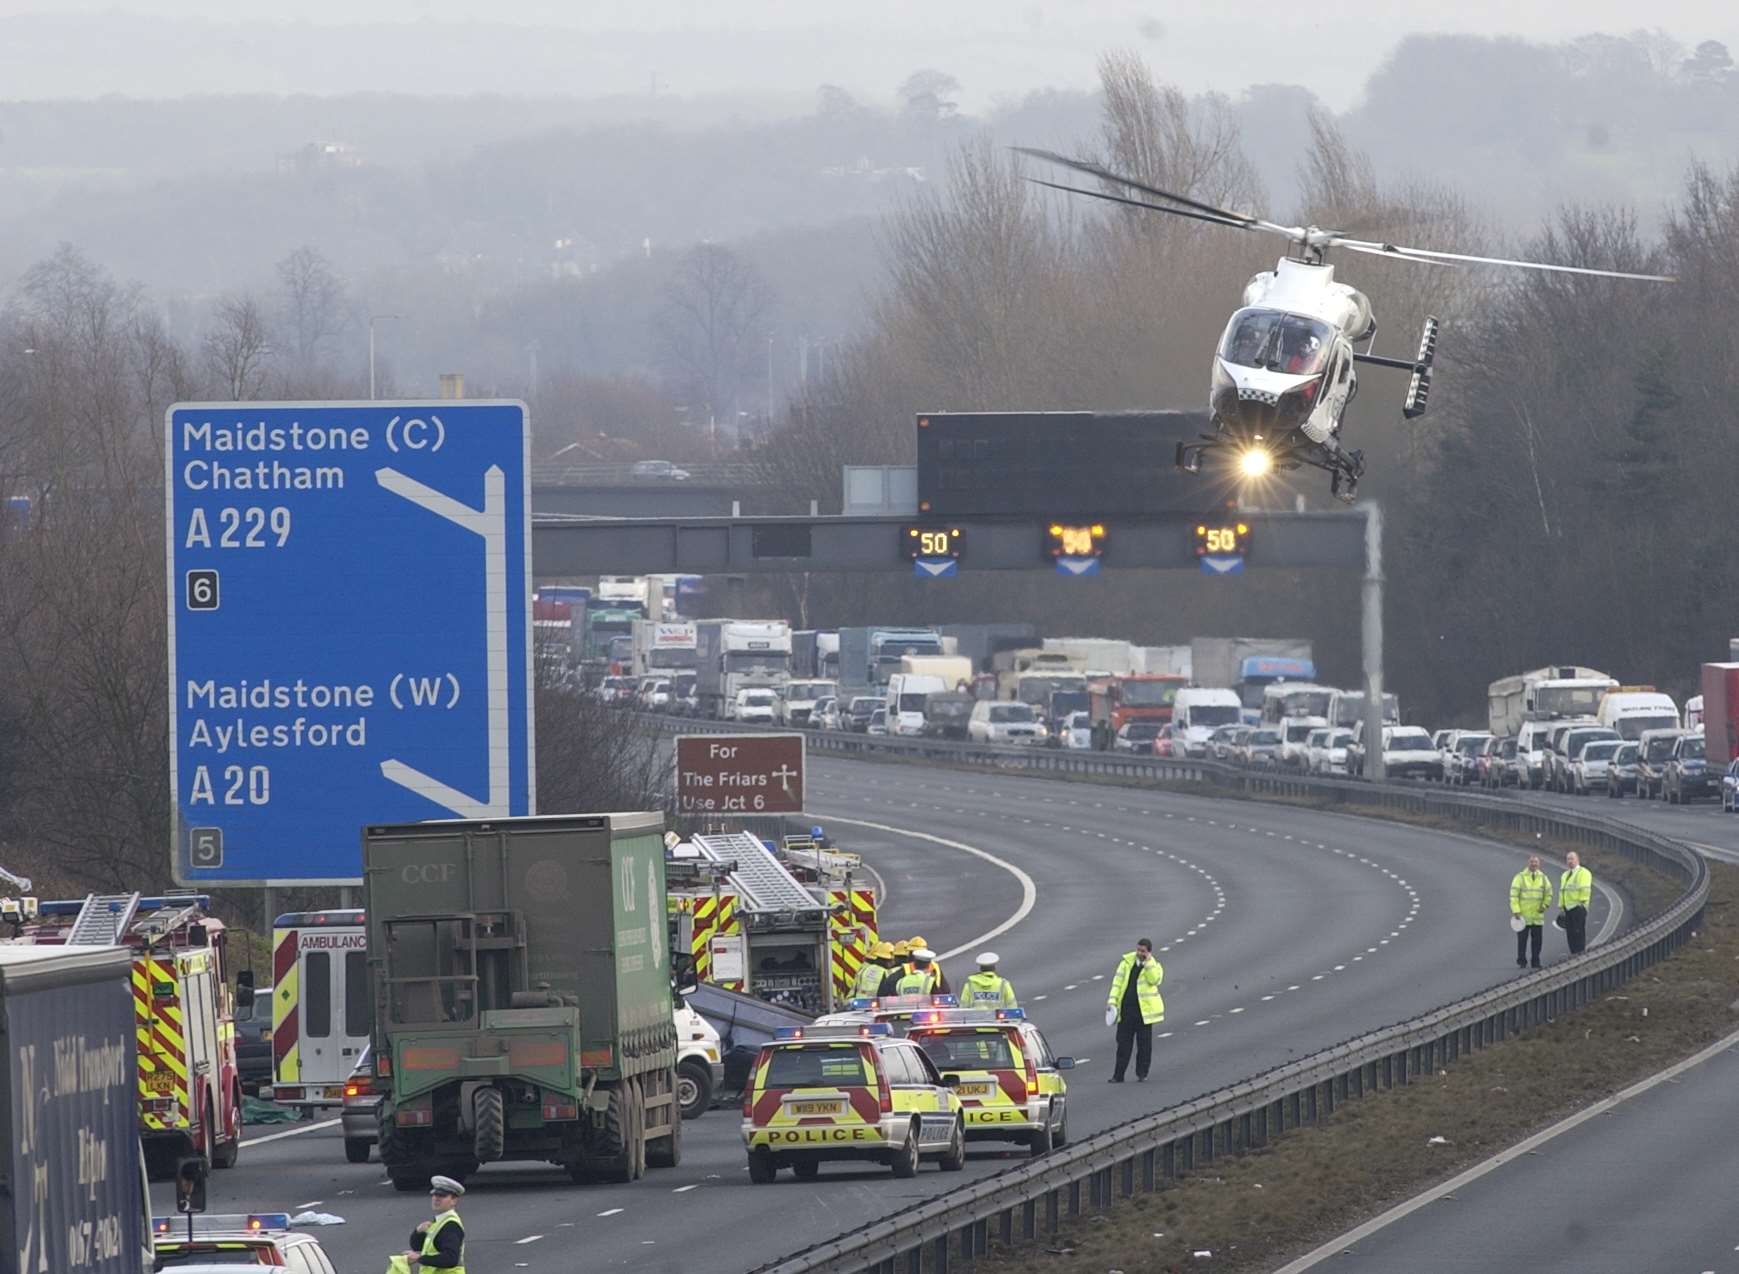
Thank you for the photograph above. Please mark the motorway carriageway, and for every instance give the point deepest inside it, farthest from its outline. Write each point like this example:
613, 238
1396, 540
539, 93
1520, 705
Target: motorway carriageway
1282, 931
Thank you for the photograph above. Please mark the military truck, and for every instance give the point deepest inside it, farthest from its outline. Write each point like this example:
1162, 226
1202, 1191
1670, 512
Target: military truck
522, 995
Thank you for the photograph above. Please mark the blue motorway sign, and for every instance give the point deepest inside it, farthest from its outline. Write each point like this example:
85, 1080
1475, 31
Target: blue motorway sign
349, 628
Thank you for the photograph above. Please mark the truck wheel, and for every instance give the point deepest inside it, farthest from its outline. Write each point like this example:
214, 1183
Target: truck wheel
356, 1149
762, 1169
694, 1089
408, 1183
616, 1163
490, 1124
639, 1127
666, 1151
207, 1144
229, 1149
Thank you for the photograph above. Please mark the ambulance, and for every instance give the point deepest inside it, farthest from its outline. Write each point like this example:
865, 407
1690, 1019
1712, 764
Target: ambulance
1010, 1082
320, 1004
851, 1092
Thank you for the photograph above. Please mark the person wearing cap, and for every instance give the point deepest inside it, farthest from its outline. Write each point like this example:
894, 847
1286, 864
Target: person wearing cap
942, 987
988, 989
1135, 1004
874, 971
916, 978
1530, 896
441, 1241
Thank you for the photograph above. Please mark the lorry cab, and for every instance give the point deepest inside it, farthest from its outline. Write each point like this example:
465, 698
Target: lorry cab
320, 1004
1198, 711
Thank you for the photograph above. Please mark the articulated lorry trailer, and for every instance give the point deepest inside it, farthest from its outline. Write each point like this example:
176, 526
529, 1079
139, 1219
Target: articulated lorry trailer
522, 995
74, 1188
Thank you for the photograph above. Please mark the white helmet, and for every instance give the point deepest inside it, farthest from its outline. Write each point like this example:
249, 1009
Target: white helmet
988, 959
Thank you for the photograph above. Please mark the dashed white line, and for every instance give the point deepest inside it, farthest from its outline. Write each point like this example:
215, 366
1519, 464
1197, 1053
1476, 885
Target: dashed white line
530, 1238
614, 1211
685, 1189
293, 1132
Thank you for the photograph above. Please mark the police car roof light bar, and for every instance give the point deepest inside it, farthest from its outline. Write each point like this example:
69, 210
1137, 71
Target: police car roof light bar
863, 1031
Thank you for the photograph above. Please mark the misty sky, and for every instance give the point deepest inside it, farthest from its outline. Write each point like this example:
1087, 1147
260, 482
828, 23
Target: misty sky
780, 48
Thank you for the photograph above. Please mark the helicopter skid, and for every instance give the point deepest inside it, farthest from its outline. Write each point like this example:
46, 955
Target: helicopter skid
1344, 467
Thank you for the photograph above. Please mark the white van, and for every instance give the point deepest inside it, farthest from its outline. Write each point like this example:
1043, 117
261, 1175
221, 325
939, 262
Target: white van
1531, 752
1198, 712
1630, 712
907, 692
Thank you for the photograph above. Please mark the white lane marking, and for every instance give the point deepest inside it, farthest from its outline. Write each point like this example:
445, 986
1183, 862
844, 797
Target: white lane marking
1098, 977
530, 1238
685, 1189
614, 1211
294, 1132
1071, 986
1237, 1010
1029, 892
312, 1203
1526, 1147
1614, 913
1040, 997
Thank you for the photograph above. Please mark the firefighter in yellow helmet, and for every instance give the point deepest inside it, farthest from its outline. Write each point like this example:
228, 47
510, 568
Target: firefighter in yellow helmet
876, 968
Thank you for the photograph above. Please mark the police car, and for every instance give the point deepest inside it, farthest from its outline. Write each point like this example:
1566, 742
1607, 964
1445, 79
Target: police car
848, 1092
236, 1240
894, 1010
1010, 1082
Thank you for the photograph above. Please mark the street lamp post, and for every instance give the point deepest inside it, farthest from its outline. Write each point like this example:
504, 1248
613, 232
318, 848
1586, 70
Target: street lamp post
371, 322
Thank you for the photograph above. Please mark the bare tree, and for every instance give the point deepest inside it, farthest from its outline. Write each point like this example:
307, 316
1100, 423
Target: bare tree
238, 347
311, 304
928, 95
712, 325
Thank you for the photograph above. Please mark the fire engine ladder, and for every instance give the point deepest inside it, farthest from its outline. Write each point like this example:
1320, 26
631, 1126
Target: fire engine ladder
103, 920
760, 879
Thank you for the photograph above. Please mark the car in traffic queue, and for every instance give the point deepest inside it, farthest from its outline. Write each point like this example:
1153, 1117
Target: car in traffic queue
1330, 757
1497, 764
1136, 736
1408, 753
1295, 736
1010, 1082
1730, 789
878, 722
1688, 775
1569, 751
1223, 742
1654, 750
1003, 721
826, 714
859, 711
1259, 746
1166, 743
1588, 770
1461, 756
236, 1240
854, 1091
359, 1116
1076, 732
1623, 770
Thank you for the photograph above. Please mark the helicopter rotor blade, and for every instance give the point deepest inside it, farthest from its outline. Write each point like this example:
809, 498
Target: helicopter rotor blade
1429, 257
1242, 220
1138, 203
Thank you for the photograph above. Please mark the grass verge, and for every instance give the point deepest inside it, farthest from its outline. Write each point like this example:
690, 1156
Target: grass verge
1256, 1211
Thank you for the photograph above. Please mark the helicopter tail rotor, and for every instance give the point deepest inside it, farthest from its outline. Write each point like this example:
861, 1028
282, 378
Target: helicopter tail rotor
1419, 388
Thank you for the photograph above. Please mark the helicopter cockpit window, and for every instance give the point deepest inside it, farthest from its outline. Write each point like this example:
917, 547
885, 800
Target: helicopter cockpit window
1278, 342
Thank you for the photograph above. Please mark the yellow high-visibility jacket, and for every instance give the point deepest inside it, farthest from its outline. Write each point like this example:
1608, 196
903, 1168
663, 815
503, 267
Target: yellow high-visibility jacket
1146, 988
1575, 888
1530, 895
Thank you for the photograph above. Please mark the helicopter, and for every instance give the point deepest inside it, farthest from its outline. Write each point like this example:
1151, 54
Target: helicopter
1285, 370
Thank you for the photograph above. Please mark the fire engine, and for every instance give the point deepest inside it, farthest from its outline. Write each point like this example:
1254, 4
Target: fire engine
1116, 701
190, 1092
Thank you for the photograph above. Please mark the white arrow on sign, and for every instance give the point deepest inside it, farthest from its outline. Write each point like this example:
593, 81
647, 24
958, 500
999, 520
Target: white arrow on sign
490, 523
935, 565
1078, 565
1221, 565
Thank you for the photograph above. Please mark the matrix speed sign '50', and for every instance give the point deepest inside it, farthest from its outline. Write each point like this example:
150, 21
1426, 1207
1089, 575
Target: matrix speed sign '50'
349, 628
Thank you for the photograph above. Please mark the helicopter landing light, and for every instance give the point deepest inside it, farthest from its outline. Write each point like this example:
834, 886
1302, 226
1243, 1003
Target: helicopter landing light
1257, 462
